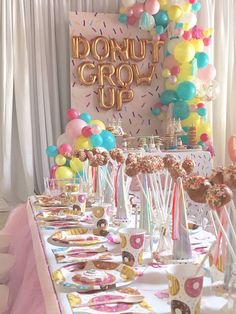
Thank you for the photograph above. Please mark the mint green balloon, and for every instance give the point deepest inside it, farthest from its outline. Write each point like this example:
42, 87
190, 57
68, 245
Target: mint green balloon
186, 90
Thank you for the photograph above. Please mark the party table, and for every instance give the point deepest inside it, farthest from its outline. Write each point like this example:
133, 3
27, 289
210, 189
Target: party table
31, 286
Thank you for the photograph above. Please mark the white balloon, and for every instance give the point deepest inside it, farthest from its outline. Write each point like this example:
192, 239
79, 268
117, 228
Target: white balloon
63, 139
128, 3
188, 18
150, 22
172, 44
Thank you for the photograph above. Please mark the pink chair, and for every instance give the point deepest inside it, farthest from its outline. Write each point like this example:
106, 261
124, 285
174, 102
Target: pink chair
7, 261
4, 299
5, 242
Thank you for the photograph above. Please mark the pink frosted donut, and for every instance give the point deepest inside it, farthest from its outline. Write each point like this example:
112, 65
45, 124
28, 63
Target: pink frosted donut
136, 241
193, 286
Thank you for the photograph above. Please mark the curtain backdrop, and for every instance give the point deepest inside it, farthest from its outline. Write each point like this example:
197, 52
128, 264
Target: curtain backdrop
35, 83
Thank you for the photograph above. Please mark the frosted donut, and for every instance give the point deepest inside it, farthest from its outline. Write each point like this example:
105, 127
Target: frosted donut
218, 196
98, 212
136, 241
102, 224
128, 258
173, 285
193, 286
181, 306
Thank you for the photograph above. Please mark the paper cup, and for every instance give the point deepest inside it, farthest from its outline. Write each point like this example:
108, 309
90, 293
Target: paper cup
101, 219
132, 245
79, 199
185, 289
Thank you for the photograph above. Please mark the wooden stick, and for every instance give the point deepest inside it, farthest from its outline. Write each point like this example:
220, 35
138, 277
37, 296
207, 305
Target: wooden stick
213, 222
230, 224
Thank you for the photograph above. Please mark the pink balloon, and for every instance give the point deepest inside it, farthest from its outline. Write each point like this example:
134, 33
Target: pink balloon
207, 74
65, 149
175, 70
152, 6
164, 36
53, 171
74, 128
73, 113
87, 131
187, 35
170, 62
131, 20
138, 9
96, 129
130, 12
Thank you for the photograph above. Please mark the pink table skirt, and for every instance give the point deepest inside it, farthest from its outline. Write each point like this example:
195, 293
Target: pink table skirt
31, 289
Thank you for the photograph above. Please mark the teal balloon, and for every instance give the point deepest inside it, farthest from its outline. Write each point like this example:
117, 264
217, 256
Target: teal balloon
185, 128
185, 139
85, 117
194, 67
179, 25
202, 112
202, 59
52, 151
156, 111
123, 18
160, 29
161, 18
168, 97
181, 110
109, 140
201, 143
196, 6
186, 90
96, 140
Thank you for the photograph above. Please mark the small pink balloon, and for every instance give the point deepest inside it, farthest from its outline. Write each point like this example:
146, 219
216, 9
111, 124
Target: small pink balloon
74, 128
175, 70
73, 113
96, 129
200, 105
207, 41
131, 20
87, 131
187, 35
152, 6
164, 36
53, 171
170, 62
156, 37
65, 149
138, 9
207, 74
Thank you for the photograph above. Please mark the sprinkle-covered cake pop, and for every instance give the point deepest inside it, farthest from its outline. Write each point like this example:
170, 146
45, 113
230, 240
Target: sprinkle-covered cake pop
169, 160
176, 171
218, 196
230, 176
217, 176
197, 187
188, 165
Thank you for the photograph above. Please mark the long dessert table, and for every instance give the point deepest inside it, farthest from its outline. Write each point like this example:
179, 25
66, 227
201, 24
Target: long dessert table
33, 290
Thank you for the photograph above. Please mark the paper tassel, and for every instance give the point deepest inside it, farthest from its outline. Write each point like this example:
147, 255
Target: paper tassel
122, 213
181, 241
109, 194
229, 260
145, 217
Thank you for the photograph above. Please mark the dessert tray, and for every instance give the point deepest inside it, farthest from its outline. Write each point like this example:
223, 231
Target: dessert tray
75, 237
75, 300
94, 276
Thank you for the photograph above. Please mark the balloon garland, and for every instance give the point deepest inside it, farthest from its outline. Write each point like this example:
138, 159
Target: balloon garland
81, 132
189, 77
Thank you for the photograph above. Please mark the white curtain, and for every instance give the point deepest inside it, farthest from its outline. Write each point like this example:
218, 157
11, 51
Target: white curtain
34, 87
221, 15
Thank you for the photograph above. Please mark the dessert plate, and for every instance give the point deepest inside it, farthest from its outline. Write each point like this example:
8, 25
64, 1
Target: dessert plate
75, 237
93, 276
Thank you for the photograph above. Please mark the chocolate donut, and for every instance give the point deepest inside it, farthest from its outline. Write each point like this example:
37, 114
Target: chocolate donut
180, 306
102, 224
197, 187
218, 196
128, 258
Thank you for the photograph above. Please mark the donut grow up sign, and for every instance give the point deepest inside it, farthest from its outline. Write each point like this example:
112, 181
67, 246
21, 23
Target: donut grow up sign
114, 66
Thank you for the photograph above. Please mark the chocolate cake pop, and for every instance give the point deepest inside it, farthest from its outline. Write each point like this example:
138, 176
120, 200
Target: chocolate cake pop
188, 165
230, 176
217, 176
218, 195
197, 187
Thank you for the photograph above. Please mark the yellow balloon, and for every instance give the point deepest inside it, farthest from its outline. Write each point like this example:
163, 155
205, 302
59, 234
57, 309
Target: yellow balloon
82, 142
99, 123
166, 73
203, 127
76, 164
192, 120
198, 44
185, 72
60, 160
123, 10
186, 27
184, 52
174, 12
169, 85
64, 172
194, 101
163, 4
187, 7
